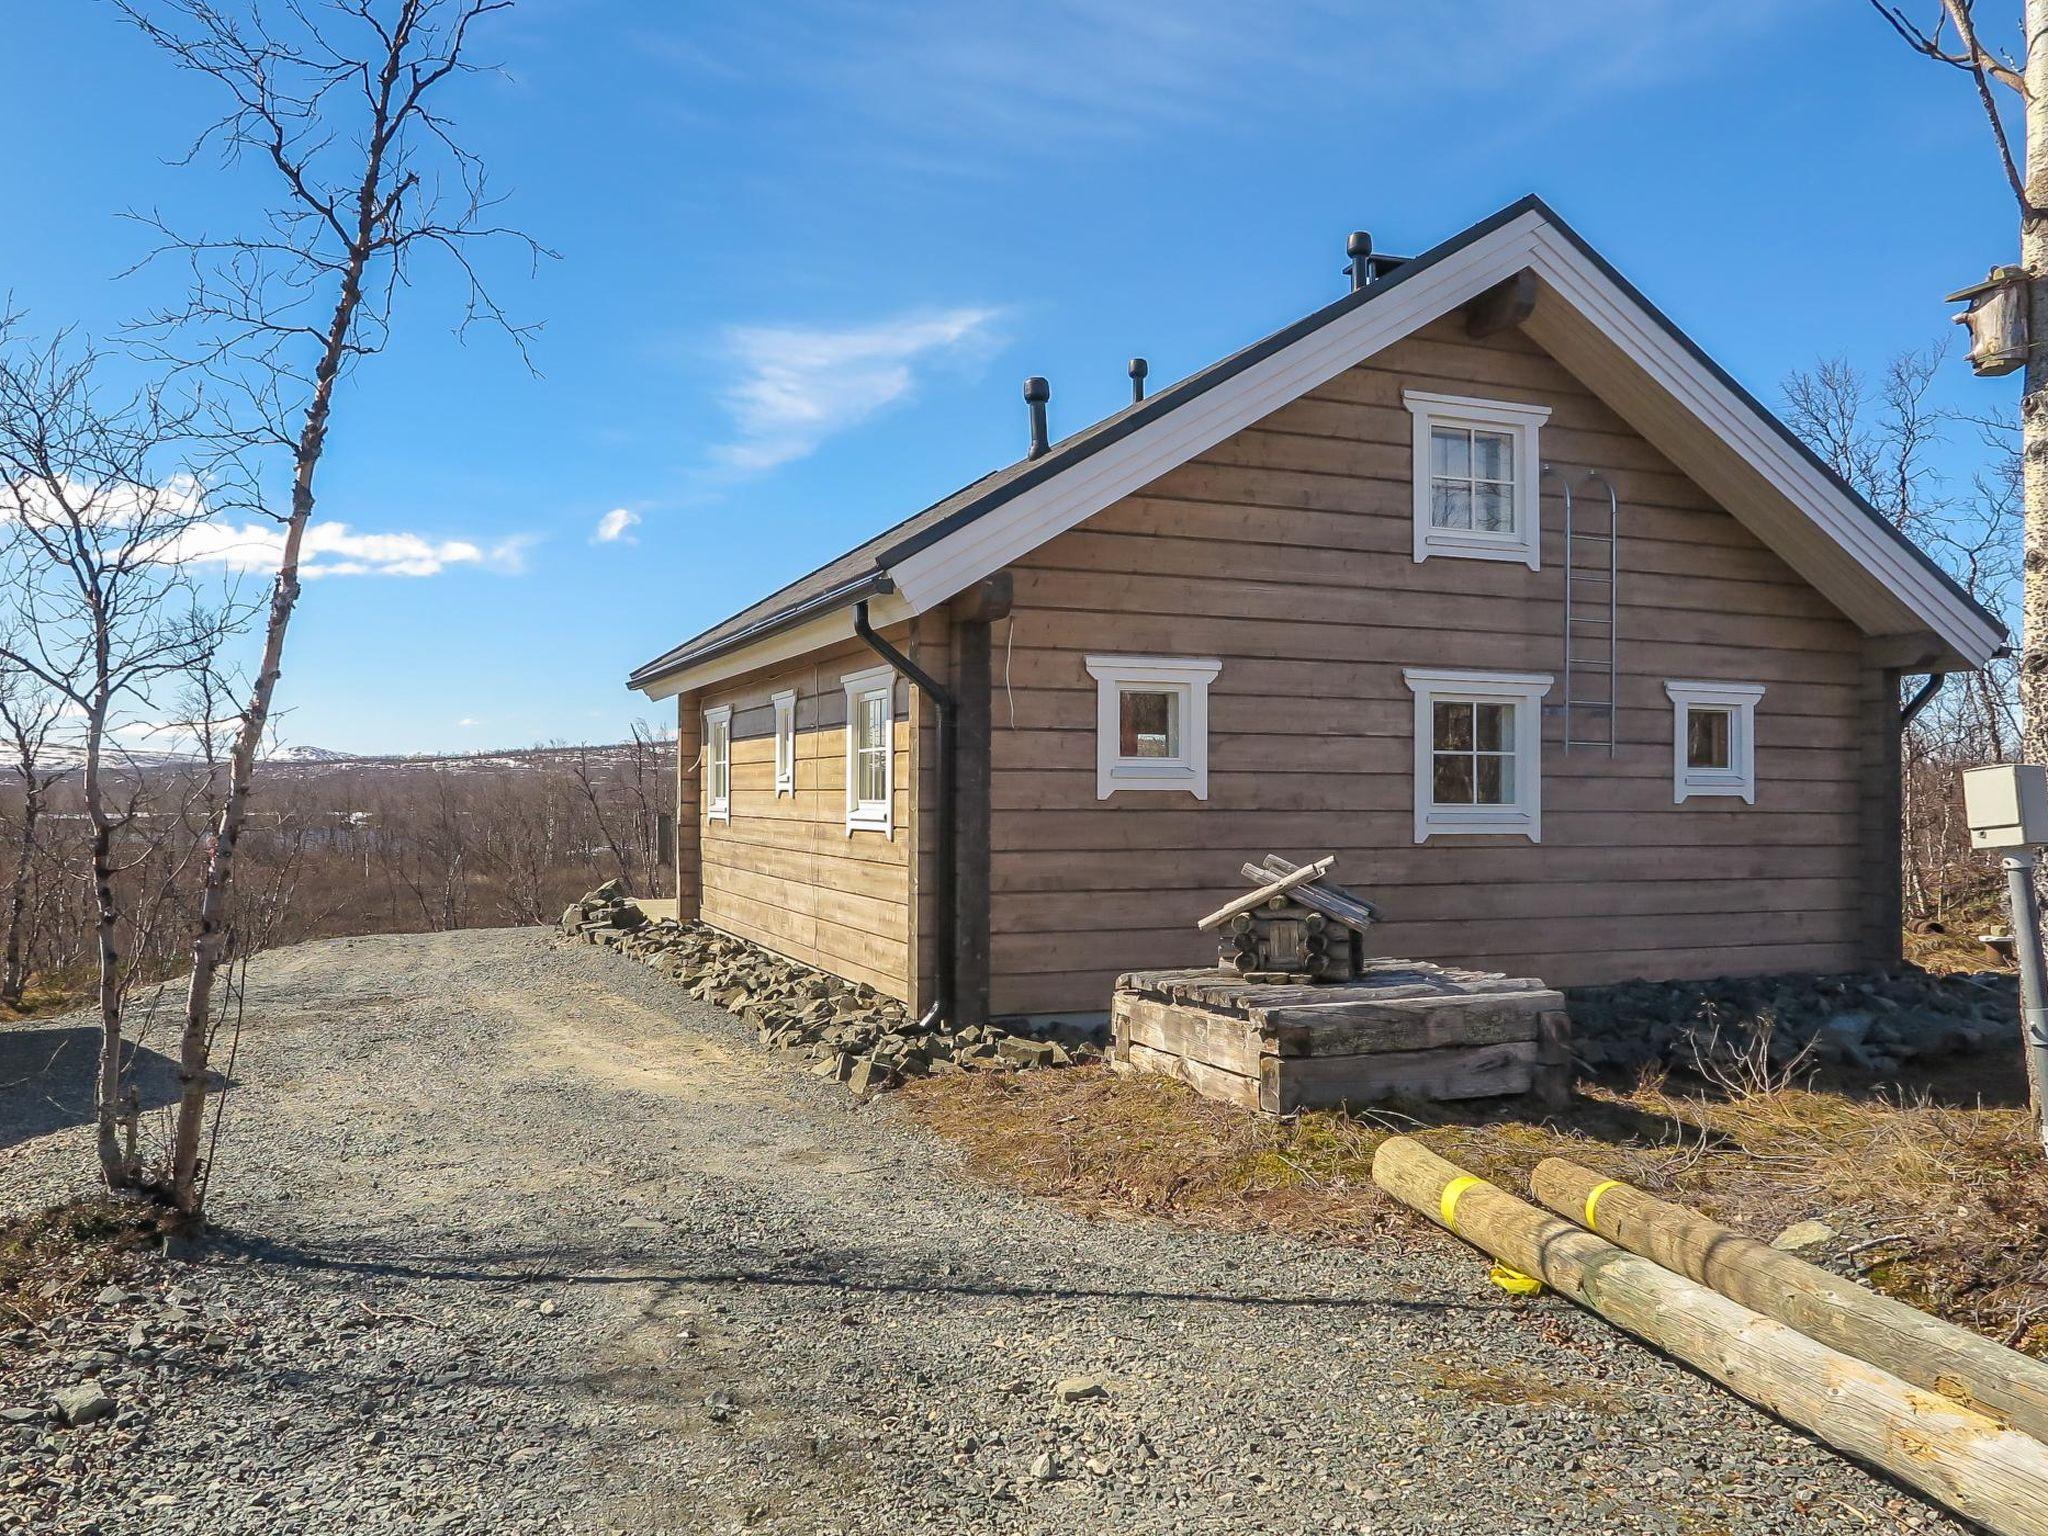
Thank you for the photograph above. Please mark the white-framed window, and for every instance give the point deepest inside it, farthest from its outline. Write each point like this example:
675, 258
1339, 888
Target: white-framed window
870, 750
1478, 752
1713, 739
1151, 723
718, 763
785, 741
1476, 478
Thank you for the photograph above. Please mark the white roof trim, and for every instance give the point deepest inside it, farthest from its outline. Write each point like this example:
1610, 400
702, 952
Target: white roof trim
989, 542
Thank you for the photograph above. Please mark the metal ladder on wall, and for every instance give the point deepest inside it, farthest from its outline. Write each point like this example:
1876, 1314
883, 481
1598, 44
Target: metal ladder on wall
1592, 640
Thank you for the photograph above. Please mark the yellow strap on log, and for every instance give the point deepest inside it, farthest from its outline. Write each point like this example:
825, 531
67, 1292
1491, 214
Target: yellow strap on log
1447, 1204
1514, 1282
1593, 1201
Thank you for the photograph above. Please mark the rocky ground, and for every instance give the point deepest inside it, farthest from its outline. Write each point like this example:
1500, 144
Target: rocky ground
520, 1237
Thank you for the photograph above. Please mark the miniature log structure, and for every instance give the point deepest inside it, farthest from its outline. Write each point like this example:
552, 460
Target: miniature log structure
1974, 1464
1294, 927
1924, 1350
1296, 1017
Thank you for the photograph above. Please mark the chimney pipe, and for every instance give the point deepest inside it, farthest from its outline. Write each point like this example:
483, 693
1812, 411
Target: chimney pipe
1359, 249
1036, 393
1139, 368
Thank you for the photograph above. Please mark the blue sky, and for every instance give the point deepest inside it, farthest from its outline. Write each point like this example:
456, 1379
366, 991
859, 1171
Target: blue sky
810, 250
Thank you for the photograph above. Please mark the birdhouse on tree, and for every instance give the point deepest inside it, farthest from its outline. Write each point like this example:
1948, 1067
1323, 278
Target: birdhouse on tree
1997, 318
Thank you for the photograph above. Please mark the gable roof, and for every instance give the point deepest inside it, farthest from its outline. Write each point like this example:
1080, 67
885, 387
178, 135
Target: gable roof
1587, 315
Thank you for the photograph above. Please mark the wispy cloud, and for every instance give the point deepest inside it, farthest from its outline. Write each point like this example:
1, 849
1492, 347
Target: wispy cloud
963, 81
616, 527
798, 385
336, 549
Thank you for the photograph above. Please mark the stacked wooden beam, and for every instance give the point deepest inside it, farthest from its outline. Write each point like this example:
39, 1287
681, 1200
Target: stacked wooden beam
1399, 1029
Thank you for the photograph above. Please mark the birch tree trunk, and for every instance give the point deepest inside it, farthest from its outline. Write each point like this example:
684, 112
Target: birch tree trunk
115, 1166
195, 1040
2033, 669
13, 964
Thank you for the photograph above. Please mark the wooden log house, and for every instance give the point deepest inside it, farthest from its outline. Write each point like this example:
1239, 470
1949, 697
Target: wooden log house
1482, 577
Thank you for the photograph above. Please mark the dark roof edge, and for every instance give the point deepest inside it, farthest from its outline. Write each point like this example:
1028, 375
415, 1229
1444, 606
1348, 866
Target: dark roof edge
1799, 445
867, 584
1196, 385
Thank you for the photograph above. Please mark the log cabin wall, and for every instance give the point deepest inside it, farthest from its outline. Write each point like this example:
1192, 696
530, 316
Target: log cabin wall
1286, 553
784, 871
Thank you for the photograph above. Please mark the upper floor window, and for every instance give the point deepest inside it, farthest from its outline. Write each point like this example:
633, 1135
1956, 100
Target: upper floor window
718, 763
1151, 723
870, 750
1476, 468
785, 741
1713, 739
1478, 752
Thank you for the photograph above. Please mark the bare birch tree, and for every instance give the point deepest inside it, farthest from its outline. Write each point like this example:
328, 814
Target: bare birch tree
97, 500
1952, 39
341, 101
28, 716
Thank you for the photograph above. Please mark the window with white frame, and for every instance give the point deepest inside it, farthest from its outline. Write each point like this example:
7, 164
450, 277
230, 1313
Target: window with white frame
718, 763
1478, 752
785, 741
870, 750
1476, 469
1151, 723
1713, 739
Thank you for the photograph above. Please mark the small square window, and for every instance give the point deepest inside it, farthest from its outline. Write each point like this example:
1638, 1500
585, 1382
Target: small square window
1478, 748
785, 742
1152, 724
1475, 478
1713, 739
1148, 723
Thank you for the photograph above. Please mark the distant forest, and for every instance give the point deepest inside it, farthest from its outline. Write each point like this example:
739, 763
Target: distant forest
338, 845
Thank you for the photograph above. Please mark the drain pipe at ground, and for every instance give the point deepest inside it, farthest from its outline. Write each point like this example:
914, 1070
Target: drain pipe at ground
943, 1004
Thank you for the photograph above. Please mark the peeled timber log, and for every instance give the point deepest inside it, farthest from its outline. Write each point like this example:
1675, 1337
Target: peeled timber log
1974, 1464
1907, 1342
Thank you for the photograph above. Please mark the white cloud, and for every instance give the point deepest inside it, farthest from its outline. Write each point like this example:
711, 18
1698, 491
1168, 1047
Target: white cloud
336, 549
466, 721
616, 526
799, 385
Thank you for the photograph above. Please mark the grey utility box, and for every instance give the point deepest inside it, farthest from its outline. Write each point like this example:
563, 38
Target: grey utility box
2006, 805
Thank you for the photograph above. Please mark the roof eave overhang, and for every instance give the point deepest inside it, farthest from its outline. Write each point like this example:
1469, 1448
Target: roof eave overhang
762, 643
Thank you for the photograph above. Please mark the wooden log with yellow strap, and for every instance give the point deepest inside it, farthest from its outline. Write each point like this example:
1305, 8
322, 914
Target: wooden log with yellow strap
1840, 1313
1968, 1461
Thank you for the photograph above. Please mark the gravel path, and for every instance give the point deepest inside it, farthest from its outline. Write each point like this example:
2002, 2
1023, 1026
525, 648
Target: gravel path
520, 1239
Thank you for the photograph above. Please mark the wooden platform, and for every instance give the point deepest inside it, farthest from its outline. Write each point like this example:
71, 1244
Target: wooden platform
1404, 1029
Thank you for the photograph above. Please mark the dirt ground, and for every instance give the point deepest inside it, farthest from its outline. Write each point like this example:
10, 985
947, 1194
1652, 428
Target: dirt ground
517, 1238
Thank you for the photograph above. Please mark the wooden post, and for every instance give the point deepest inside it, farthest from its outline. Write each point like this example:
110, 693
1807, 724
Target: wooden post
1880, 856
689, 808
1975, 1465
1926, 1351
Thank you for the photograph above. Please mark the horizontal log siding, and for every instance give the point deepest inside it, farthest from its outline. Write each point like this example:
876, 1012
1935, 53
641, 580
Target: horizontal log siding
784, 872
1286, 552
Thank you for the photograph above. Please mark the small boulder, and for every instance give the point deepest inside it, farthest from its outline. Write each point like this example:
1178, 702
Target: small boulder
1802, 1234
1078, 1389
86, 1403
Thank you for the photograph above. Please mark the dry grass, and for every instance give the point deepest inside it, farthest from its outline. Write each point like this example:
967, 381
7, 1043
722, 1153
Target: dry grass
56, 1260
1961, 1192
42, 1001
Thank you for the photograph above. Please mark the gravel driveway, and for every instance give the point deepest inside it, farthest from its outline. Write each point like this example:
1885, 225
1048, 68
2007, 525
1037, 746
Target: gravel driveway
519, 1238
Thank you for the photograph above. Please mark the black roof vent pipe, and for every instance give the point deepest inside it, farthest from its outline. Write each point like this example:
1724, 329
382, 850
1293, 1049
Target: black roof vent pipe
1359, 249
1139, 368
1036, 393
